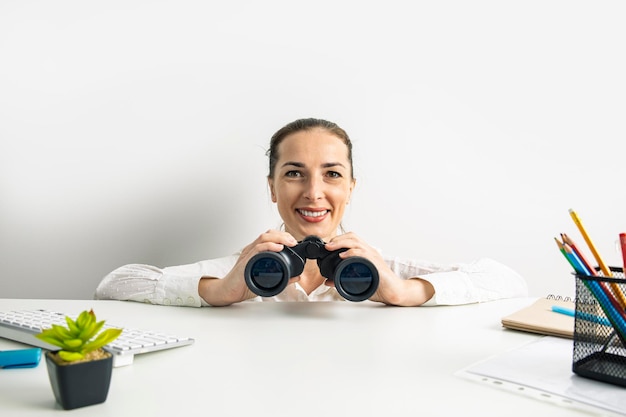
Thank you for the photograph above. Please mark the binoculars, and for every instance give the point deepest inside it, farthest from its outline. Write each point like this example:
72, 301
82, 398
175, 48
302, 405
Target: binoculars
267, 273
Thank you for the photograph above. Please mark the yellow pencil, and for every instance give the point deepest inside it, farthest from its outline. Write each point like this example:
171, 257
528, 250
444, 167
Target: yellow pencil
605, 269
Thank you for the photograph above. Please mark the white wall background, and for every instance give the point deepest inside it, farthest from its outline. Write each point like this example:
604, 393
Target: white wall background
135, 131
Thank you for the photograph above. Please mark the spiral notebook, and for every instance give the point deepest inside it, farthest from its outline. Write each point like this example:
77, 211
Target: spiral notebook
538, 317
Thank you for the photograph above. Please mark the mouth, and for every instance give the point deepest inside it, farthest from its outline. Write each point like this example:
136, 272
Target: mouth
313, 216
311, 213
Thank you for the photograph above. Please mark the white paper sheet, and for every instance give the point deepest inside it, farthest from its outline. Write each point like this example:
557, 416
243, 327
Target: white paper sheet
543, 369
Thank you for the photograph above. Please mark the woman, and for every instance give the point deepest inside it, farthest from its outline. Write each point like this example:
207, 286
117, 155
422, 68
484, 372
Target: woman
311, 181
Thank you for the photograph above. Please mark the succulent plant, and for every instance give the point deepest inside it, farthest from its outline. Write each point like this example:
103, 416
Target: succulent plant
80, 337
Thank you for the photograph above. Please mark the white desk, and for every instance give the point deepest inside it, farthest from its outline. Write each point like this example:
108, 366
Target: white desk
294, 359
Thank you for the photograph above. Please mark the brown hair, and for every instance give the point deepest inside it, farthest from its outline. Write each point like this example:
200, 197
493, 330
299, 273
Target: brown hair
304, 125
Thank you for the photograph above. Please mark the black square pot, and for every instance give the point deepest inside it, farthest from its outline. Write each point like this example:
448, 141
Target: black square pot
80, 384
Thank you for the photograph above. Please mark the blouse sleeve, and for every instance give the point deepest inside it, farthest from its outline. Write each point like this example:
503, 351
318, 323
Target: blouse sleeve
482, 280
175, 285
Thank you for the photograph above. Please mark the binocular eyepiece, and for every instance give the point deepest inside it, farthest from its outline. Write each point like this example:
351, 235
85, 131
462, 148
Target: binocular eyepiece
268, 273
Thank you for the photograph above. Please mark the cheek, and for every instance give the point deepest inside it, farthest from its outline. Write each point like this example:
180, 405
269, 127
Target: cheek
340, 197
283, 193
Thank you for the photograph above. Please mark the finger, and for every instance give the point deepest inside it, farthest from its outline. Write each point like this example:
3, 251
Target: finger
272, 240
277, 236
342, 241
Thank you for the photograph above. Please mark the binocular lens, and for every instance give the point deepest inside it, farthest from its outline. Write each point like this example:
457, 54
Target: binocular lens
267, 274
357, 279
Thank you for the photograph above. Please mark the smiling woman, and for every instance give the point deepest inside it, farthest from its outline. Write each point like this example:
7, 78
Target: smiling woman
311, 181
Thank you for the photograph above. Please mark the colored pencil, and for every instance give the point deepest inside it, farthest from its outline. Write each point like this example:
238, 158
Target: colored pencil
581, 314
622, 243
576, 262
562, 249
605, 270
570, 242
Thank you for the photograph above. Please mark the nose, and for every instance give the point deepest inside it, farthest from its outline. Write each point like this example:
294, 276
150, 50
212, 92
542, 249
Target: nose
314, 189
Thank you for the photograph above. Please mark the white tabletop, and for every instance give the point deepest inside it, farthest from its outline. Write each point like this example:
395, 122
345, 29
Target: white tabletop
294, 359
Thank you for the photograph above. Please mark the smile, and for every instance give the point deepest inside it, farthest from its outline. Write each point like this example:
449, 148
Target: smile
309, 213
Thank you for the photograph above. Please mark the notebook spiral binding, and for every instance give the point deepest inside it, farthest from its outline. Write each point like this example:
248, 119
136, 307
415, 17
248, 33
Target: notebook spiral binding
559, 298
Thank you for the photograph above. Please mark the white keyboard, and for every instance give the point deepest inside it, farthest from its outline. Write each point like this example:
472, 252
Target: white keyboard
22, 326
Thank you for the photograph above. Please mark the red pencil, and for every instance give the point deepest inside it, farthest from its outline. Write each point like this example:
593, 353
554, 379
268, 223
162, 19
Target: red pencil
622, 243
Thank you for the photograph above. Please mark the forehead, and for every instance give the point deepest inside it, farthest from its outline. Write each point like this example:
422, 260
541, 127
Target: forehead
313, 146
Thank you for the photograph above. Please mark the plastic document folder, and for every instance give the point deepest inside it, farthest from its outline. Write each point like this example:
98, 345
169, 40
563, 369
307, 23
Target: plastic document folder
543, 369
538, 317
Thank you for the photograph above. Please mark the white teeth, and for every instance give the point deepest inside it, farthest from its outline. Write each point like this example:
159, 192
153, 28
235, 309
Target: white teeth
312, 213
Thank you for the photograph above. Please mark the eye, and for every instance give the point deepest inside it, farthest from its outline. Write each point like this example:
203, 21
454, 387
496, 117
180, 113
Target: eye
333, 174
293, 174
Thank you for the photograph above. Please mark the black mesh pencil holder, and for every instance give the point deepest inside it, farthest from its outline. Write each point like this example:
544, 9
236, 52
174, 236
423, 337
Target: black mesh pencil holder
600, 330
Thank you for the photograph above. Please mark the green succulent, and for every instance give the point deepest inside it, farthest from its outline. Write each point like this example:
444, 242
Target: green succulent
79, 337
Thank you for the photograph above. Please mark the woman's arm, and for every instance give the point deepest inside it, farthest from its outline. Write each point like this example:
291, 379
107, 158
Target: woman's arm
482, 280
176, 285
414, 283
215, 282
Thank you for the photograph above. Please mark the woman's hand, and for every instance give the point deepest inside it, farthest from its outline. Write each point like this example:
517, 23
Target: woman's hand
391, 289
232, 288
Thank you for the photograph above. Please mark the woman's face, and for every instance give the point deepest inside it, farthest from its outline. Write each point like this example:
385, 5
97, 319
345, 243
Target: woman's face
312, 183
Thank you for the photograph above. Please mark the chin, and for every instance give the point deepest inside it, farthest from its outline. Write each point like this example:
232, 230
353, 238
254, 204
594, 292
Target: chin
323, 234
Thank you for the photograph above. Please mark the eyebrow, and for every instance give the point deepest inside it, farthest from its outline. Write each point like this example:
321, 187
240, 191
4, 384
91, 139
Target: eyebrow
324, 165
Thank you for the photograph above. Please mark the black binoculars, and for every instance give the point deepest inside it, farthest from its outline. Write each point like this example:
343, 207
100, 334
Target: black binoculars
268, 273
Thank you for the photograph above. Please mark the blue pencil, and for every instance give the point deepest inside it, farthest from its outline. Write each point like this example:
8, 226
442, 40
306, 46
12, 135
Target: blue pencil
577, 264
582, 315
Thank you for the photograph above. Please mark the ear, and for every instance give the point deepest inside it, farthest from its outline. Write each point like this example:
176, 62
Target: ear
270, 183
352, 185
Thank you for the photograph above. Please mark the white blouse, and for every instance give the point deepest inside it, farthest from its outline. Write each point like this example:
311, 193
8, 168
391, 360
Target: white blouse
479, 281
